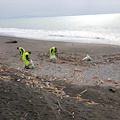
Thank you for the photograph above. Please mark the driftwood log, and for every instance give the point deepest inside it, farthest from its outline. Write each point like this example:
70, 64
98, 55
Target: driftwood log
12, 41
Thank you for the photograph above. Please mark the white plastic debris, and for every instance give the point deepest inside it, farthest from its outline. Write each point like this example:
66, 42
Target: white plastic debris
53, 57
18, 80
87, 58
31, 64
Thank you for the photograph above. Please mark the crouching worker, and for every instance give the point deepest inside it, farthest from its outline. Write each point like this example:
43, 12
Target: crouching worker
53, 52
22, 50
26, 59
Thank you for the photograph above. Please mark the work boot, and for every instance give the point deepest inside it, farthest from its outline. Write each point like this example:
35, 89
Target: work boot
27, 67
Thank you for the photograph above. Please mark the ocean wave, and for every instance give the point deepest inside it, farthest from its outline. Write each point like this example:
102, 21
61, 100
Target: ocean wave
63, 35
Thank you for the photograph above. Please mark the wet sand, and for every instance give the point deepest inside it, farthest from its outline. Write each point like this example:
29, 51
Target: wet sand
86, 90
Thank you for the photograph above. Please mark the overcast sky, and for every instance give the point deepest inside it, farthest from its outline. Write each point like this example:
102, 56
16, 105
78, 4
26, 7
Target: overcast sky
28, 8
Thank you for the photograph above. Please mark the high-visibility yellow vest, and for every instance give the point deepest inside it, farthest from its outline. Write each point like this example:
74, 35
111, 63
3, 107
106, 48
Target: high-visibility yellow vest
24, 55
22, 50
53, 52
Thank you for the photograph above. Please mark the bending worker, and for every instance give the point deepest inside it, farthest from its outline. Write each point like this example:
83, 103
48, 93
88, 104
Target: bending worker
26, 59
22, 50
53, 51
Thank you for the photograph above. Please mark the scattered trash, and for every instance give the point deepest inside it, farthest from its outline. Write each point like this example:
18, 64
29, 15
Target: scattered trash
112, 89
95, 77
47, 84
18, 80
78, 70
84, 91
41, 87
51, 111
67, 96
78, 96
100, 82
53, 57
87, 58
31, 64
30, 101
2, 70
112, 81
27, 83
5, 78
92, 103
25, 116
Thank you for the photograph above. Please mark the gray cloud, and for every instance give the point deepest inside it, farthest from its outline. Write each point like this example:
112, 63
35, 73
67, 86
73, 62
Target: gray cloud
26, 8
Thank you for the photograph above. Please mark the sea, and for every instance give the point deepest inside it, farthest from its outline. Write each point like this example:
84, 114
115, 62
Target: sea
98, 29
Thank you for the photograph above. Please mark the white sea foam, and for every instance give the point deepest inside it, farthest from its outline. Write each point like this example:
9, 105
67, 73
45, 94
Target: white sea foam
103, 29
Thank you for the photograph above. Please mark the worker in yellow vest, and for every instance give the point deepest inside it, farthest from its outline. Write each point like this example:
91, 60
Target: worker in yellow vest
53, 51
26, 59
22, 50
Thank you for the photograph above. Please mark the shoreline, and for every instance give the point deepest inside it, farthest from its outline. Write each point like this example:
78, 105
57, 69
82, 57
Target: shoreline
64, 41
60, 44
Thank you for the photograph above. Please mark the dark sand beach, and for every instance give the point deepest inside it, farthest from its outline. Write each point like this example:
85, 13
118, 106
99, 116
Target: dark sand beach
65, 89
